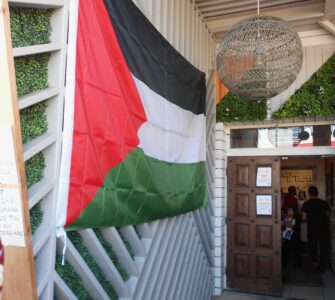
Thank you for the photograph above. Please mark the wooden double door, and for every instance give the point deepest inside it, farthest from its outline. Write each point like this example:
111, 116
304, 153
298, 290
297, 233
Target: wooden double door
253, 225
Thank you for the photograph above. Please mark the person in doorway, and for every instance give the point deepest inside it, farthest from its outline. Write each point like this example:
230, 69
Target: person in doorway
316, 212
291, 237
290, 199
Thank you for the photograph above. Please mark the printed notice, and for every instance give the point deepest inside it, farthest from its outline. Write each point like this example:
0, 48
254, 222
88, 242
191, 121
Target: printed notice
264, 176
11, 223
8, 171
264, 205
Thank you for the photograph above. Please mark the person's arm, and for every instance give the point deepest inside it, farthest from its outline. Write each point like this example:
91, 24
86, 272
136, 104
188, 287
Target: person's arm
303, 215
303, 212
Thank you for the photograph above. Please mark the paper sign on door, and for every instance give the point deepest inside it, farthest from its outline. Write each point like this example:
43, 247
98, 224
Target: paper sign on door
264, 176
264, 205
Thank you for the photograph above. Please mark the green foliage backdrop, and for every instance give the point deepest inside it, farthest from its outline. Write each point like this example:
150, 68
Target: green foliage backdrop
36, 216
33, 121
315, 98
79, 244
110, 252
71, 279
31, 73
233, 109
30, 26
35, 169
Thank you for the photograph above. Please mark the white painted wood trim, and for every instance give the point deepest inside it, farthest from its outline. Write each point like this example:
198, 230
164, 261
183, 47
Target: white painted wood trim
36, 97
38, 3
61, 289
36, 49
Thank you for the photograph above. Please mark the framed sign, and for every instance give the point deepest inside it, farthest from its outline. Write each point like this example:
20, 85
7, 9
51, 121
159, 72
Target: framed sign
264, 205
264, 177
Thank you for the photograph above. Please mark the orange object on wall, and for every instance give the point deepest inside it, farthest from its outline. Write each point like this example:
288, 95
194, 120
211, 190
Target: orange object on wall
221, 89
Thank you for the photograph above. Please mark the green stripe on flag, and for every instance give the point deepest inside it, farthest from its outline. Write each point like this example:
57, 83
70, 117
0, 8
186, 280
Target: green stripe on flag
142, 189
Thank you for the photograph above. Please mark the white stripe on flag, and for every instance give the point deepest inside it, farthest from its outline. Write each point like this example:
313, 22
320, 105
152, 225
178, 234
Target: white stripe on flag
171, 133
64, 176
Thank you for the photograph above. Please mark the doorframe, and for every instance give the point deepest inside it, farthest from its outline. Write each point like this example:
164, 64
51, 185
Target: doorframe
229, 152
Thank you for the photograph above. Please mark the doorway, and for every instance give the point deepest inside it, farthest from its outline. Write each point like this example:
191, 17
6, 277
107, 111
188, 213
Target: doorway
254, 238
301, 172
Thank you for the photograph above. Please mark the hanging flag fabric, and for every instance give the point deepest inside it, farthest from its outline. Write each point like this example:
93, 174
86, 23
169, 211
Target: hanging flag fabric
134, 130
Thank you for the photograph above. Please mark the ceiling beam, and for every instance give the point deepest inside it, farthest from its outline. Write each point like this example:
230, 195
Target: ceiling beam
237, 7
329, 9
298, 12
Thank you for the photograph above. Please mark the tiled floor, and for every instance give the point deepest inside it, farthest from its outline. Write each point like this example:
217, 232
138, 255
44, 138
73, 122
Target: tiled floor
292, 292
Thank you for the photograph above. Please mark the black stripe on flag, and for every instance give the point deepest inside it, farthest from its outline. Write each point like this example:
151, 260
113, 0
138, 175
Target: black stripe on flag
154, 61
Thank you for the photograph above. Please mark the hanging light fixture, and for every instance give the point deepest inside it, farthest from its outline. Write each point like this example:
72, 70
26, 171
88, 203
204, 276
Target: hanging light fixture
259, 57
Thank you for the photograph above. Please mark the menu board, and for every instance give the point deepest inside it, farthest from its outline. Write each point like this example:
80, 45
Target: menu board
11, 221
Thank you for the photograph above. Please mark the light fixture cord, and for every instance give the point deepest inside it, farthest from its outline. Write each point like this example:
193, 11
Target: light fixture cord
258, 35
257, 7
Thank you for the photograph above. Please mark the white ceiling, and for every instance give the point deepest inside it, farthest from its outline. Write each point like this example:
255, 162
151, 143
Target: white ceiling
304, 15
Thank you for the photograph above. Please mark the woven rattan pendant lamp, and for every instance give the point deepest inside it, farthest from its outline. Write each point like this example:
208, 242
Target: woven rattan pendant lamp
259, 57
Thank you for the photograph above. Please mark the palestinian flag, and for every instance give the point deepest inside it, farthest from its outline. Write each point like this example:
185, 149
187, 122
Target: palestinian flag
134, 129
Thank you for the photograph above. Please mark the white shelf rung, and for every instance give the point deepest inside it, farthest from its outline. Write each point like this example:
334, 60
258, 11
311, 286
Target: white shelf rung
90, 282
112, 237
40, 238
44, 282
36, 97
62, 291
37, 145
39, 190
105, 263
36, 49
37, 3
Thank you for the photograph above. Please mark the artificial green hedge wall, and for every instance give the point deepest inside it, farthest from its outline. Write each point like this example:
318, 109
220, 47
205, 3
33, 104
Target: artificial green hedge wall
71, 279
33, 121
234, 109
30, 26
92, 264
36, 217
110, 252
31, 73
126, 243
35, 169
316, 97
